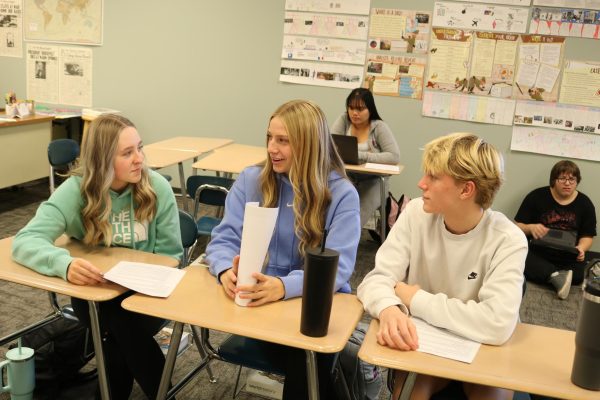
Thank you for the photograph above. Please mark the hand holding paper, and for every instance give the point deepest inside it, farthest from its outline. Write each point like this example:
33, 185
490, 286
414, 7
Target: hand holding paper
259, 223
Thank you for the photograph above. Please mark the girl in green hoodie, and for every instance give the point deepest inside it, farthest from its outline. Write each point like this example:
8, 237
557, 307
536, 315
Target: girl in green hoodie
112, 199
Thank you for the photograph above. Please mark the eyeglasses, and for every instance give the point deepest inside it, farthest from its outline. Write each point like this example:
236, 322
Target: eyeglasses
564, 179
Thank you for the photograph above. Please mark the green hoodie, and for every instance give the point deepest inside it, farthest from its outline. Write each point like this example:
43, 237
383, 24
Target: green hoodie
34, 246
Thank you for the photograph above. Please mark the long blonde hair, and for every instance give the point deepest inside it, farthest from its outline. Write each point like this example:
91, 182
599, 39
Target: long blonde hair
313, 158
96, 168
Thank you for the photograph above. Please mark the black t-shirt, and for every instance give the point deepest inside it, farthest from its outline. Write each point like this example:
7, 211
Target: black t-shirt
540, 207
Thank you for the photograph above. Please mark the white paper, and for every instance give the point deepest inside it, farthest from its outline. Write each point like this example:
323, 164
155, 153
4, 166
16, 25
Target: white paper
259, 223
547, 77
328, 6
150, 279
75, 79
527, 74
445, 344
480, 17
42, 73
384, 167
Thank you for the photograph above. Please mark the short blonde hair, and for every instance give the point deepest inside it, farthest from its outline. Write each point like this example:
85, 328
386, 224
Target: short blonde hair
466, 157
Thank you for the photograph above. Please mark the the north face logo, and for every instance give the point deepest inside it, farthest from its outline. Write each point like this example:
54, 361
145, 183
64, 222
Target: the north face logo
472, 275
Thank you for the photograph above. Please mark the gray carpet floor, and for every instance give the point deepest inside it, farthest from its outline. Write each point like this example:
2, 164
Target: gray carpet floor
21, 305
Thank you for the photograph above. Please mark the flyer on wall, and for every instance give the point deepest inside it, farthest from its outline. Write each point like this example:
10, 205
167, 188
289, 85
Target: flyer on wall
400, 76
11, 28
404, 31
42, 73
581, 83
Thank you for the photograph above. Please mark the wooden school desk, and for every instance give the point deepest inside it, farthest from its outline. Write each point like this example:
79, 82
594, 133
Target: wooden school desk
232, 159
24, 149
383, 175
200, 300
102, 257
535, 359
178, 149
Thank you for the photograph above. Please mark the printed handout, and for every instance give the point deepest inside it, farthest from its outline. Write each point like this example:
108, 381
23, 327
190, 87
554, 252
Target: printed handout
328, 6
567, 117
580, 145
11, 28
480, 17
405, 31
449, 56
581, 83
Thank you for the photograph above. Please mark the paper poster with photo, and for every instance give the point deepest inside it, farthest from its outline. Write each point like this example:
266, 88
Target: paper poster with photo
321, 74
568, 22
399, 76
42, 73
566, 117
405, 31
569, 3
511, 2
329, 25
539, 61
580, 83
315, 48
480, 17
448, 61
75, 79
360, 7
11, 28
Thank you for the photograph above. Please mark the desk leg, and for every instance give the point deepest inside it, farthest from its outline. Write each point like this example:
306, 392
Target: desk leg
165, 380
382, 208
97, 338
407, 388
182, 186
312, 376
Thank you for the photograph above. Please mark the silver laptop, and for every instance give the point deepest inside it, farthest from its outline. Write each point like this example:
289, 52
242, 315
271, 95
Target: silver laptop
347, 147
559, 240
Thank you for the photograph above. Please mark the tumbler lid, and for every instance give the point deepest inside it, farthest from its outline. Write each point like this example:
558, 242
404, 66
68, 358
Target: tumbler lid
315, 252
592, 278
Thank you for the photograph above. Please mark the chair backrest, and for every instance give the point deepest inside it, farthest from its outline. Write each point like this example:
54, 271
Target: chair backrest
211, 190
61, 152
189, 232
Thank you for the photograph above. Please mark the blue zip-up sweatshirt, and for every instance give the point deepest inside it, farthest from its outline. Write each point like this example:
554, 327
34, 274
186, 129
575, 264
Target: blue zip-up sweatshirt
284, 260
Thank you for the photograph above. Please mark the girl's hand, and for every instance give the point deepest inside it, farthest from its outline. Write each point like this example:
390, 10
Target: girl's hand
83, 272
267, 289
229, 278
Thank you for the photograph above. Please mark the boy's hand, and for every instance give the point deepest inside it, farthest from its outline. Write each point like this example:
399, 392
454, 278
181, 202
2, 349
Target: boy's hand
396, 330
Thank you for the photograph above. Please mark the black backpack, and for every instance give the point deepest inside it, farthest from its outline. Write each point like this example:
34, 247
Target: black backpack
62, 348
352, 378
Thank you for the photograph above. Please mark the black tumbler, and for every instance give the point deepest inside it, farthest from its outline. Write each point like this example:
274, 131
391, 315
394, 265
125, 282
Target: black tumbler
586, 365
320, 269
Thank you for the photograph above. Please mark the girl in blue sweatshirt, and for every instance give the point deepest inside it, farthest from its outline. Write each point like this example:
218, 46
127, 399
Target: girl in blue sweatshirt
304, 177
112, 199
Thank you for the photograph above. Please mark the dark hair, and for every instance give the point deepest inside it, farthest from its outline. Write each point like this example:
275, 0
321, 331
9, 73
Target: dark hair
564, 167
360, 96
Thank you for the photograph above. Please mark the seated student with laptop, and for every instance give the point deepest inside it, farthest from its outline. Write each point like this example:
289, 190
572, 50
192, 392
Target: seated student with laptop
449, 260
376, 143
561, 223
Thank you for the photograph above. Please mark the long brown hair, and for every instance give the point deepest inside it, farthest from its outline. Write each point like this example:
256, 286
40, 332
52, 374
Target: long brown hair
96, 168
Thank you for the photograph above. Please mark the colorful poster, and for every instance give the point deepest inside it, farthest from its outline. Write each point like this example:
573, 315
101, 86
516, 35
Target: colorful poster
11, 28
463, 107
581, 83
492, 65
400, 76
584, 146
449, 56
569, 3
539, 59
404, 31
565, 22
480, 17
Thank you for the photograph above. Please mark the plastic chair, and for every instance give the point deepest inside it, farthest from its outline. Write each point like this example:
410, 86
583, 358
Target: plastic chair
209, 190
61, 153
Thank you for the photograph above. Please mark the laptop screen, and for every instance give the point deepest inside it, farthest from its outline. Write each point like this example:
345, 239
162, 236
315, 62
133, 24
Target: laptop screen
347, 147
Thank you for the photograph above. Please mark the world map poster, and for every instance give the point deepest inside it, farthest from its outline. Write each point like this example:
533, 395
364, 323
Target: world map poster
65, 21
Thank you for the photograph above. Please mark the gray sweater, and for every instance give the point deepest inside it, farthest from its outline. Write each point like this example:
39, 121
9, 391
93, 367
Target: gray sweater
383, 148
